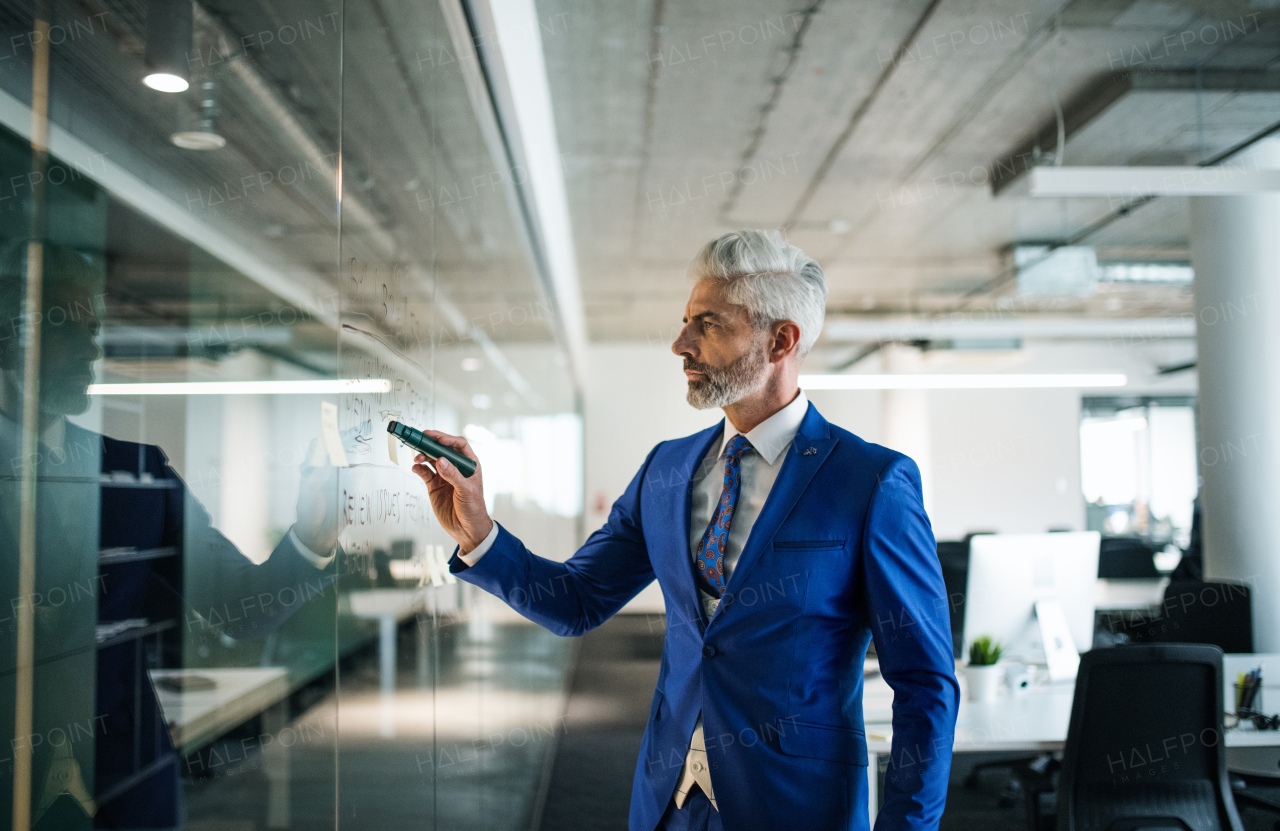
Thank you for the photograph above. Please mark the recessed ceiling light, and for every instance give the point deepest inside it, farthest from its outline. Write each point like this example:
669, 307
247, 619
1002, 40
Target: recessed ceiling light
839, 226
166, 82
472, 364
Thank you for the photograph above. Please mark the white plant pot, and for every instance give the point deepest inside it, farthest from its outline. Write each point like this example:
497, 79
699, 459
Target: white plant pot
983, 681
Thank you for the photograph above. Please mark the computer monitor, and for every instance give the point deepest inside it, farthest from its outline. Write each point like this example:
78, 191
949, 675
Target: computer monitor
1009, 573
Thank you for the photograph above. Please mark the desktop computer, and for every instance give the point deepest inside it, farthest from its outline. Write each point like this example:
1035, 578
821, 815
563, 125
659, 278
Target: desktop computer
1025, 588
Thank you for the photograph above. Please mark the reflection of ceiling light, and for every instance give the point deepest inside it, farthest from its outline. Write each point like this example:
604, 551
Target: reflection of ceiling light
198, 140
245, 387
166, 82
168, 45
839, 226
481, 401
472, 364
203, 136
959, 381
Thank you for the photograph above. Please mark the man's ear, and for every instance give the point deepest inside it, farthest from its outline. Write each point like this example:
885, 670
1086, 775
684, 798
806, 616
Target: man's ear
786, 339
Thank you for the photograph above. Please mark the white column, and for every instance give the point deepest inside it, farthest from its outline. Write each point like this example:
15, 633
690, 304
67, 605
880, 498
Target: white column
904, 416
1235, 249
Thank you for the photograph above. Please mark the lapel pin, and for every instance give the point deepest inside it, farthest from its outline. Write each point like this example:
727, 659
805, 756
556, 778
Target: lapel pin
809, 452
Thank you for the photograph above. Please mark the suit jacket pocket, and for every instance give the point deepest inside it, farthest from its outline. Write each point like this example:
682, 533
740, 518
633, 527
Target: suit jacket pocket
822, 741
807, 545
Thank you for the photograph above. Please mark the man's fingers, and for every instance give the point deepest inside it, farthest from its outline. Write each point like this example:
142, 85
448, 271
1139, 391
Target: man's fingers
449, 471
427, 475
456, 442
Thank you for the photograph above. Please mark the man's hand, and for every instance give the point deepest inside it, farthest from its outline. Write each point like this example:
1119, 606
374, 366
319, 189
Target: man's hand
458, 500
319, 522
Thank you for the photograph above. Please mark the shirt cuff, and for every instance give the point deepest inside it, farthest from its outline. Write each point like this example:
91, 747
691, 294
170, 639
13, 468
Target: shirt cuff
309, 555
473, 556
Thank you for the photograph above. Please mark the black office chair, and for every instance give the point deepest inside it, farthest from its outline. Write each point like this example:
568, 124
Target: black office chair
1145, 744
954, 558
1193, 611
1261, 792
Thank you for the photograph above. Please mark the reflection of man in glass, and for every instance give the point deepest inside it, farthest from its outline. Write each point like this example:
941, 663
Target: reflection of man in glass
100, 752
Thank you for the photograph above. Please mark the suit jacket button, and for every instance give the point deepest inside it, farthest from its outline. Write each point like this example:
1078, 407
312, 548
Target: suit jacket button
708, 651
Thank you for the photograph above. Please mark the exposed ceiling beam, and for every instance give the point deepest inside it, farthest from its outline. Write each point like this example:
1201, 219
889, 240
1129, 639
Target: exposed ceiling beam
1099, 97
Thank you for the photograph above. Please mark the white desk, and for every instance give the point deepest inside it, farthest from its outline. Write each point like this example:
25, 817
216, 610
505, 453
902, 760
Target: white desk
1037, 720
240, 693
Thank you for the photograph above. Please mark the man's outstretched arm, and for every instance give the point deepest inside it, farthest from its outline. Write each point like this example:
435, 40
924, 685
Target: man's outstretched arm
568, 598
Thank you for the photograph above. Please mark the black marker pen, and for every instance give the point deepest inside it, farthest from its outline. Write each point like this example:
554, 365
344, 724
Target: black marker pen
416, 440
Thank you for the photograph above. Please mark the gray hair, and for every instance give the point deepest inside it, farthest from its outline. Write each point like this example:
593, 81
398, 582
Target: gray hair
772, 278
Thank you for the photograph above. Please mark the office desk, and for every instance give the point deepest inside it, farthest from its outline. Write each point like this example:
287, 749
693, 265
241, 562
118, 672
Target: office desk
195, 717
1036, 721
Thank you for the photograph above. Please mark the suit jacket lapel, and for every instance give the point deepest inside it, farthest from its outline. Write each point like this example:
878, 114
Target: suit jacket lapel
798, 468
687, 466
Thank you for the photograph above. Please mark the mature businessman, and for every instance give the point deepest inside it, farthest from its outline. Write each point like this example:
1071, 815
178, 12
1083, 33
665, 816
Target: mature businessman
783, 545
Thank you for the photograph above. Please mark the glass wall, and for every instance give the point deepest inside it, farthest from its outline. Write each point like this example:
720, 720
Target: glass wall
237, 238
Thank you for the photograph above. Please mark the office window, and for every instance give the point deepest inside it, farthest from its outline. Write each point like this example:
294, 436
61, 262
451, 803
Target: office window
1138, 467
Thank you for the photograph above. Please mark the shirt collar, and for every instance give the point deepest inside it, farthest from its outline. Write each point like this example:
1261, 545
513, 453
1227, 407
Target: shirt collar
771, 436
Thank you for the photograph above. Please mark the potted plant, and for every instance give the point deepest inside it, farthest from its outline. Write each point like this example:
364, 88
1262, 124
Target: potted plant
982, 674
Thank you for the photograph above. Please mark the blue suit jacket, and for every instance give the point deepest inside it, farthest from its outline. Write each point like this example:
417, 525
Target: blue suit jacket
842, 553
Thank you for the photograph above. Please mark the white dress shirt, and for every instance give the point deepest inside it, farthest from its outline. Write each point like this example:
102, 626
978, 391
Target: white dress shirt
758, 471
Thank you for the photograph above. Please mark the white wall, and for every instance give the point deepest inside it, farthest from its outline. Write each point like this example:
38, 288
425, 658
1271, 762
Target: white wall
1002, 460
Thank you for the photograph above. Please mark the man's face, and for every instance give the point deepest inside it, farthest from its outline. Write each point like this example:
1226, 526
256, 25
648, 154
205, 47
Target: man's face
68, 347
725, 359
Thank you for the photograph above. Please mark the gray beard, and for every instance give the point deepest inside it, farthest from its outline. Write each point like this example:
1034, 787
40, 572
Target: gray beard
722, 387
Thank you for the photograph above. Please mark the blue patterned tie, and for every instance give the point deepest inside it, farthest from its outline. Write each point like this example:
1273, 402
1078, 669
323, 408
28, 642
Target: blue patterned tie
716, 538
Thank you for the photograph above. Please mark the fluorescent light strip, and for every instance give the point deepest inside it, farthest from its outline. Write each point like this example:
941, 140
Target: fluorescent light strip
245, 387
959, 382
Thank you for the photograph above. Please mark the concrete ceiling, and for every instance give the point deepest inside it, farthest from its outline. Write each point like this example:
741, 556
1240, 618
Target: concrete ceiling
871, 132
